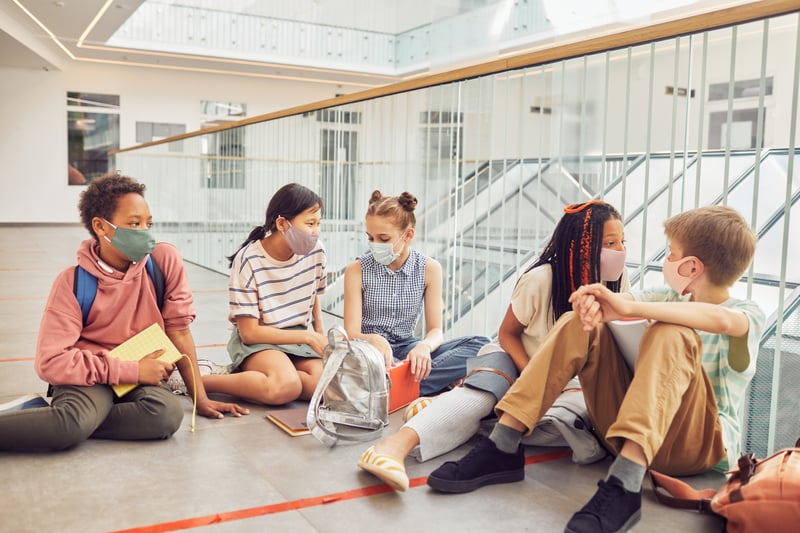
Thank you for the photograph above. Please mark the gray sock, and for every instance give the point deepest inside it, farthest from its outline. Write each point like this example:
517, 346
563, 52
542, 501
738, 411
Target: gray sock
631, 474
505, 438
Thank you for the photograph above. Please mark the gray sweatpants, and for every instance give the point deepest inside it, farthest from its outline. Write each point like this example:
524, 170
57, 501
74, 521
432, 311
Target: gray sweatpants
78, 413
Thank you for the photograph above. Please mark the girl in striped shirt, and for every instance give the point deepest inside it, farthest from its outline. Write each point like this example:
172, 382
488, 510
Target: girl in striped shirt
277, 276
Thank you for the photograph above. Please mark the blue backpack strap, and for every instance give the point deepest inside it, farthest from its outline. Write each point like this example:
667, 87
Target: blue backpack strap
85, 289
157, 276
85, 286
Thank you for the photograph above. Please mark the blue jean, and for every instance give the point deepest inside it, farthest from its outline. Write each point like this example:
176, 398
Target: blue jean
448, 361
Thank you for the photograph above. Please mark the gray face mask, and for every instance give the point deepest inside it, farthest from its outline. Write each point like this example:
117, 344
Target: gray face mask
134, 244
300, 242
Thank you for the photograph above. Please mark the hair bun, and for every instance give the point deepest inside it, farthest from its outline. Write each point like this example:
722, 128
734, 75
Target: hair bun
407, 201
376, 196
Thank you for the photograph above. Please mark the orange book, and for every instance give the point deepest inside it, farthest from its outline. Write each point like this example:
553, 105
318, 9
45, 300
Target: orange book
404, 389
292, 420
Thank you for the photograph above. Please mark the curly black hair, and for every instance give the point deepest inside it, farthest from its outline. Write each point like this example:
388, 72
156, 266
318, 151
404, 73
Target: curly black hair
102, 195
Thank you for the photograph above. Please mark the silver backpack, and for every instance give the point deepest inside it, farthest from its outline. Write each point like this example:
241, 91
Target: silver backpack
351, 401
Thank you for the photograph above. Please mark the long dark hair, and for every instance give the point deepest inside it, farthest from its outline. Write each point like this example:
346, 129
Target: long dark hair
573, 252
287, 202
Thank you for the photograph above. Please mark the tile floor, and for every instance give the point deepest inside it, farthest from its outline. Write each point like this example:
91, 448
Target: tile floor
243, 474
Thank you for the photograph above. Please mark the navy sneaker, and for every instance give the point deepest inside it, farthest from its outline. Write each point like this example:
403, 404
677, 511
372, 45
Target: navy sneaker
483, 465
30, 401
612, 509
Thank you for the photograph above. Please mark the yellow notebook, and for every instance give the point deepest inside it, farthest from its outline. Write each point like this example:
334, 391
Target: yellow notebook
146, 341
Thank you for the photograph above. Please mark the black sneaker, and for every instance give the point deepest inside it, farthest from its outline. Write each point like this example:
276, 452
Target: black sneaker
483, 465
612, 509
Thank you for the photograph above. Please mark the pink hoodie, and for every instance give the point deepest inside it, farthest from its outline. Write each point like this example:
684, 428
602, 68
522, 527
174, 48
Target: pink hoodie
70, 354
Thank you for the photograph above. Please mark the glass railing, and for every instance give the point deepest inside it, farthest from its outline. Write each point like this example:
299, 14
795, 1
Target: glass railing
493, 155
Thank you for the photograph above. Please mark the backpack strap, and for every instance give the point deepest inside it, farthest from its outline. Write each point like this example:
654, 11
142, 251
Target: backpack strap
680, 495
158, 280
85, 289
332, 365
85, 286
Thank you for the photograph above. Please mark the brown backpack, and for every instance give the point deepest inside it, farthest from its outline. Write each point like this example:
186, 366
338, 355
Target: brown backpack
759, 495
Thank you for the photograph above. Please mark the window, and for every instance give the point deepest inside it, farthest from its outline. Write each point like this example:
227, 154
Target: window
153, 131
741, 89
92, 131
338, 160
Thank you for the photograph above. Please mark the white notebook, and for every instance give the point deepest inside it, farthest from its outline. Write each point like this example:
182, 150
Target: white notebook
628, 336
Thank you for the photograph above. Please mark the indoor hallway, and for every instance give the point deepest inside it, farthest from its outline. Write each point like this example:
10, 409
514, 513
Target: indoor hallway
245, 474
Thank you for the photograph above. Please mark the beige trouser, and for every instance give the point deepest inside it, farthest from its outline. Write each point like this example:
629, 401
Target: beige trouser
667, 406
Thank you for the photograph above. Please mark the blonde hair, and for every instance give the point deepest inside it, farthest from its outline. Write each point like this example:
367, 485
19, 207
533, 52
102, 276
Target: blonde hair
717, 235
399, 209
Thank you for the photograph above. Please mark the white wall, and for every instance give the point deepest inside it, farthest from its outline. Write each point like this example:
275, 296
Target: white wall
33, 131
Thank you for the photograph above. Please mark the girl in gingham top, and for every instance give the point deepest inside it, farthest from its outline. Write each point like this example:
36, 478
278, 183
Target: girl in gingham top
387, 289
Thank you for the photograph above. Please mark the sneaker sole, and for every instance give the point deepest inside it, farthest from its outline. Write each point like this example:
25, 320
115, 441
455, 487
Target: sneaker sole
468, 485
632, 521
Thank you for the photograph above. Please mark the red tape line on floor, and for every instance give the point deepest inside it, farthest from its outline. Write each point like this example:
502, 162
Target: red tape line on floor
303, 503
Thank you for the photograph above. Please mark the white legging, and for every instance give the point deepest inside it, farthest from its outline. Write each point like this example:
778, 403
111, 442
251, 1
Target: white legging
449, 421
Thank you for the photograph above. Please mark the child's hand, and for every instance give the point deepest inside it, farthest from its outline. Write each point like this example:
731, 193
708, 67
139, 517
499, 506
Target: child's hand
317, 341
383, 346
420, 359
596, 303
152, 370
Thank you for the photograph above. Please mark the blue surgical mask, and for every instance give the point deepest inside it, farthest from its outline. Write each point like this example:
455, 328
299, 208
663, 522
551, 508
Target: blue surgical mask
383, 252
299, 241
134, 244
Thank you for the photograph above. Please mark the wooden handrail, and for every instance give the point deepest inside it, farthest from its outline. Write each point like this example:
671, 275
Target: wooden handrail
548, 54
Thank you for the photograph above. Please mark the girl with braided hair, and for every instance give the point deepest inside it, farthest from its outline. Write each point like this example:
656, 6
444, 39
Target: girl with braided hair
586, 247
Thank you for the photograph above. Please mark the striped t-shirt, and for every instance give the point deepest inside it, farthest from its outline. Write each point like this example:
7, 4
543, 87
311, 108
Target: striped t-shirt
729, 384
392, 301
278, 293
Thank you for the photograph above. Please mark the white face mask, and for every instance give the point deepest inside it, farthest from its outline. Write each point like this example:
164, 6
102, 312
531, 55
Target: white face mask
612, 263
383, 252
675, 279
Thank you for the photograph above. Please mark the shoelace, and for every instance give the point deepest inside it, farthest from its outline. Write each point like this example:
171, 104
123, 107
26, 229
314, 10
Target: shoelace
600, 500
474, 451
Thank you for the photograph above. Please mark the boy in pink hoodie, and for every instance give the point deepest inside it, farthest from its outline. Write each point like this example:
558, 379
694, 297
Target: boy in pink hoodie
73, 356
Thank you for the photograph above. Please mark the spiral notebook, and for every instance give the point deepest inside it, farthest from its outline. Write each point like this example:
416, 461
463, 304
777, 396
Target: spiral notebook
146, 341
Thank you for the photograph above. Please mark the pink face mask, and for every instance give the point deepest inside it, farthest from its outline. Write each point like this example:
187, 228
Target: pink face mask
299, 241
612, 263
674, 279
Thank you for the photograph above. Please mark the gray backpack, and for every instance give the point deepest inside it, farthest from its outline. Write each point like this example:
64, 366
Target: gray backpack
567, 423
351, 401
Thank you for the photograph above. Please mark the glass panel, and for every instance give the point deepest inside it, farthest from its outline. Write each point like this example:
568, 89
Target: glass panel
493, 160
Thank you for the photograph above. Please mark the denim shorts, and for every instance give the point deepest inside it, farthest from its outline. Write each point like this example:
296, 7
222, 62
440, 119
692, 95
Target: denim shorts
239, 351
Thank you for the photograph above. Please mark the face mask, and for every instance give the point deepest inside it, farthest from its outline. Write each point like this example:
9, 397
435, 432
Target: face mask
134, 244
383, 252
673, 278
612, 263
299, 241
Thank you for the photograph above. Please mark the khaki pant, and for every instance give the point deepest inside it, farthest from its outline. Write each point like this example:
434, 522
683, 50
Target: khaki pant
667, 406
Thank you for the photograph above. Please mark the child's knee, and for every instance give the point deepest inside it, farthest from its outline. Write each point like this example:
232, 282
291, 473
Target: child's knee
280, 388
